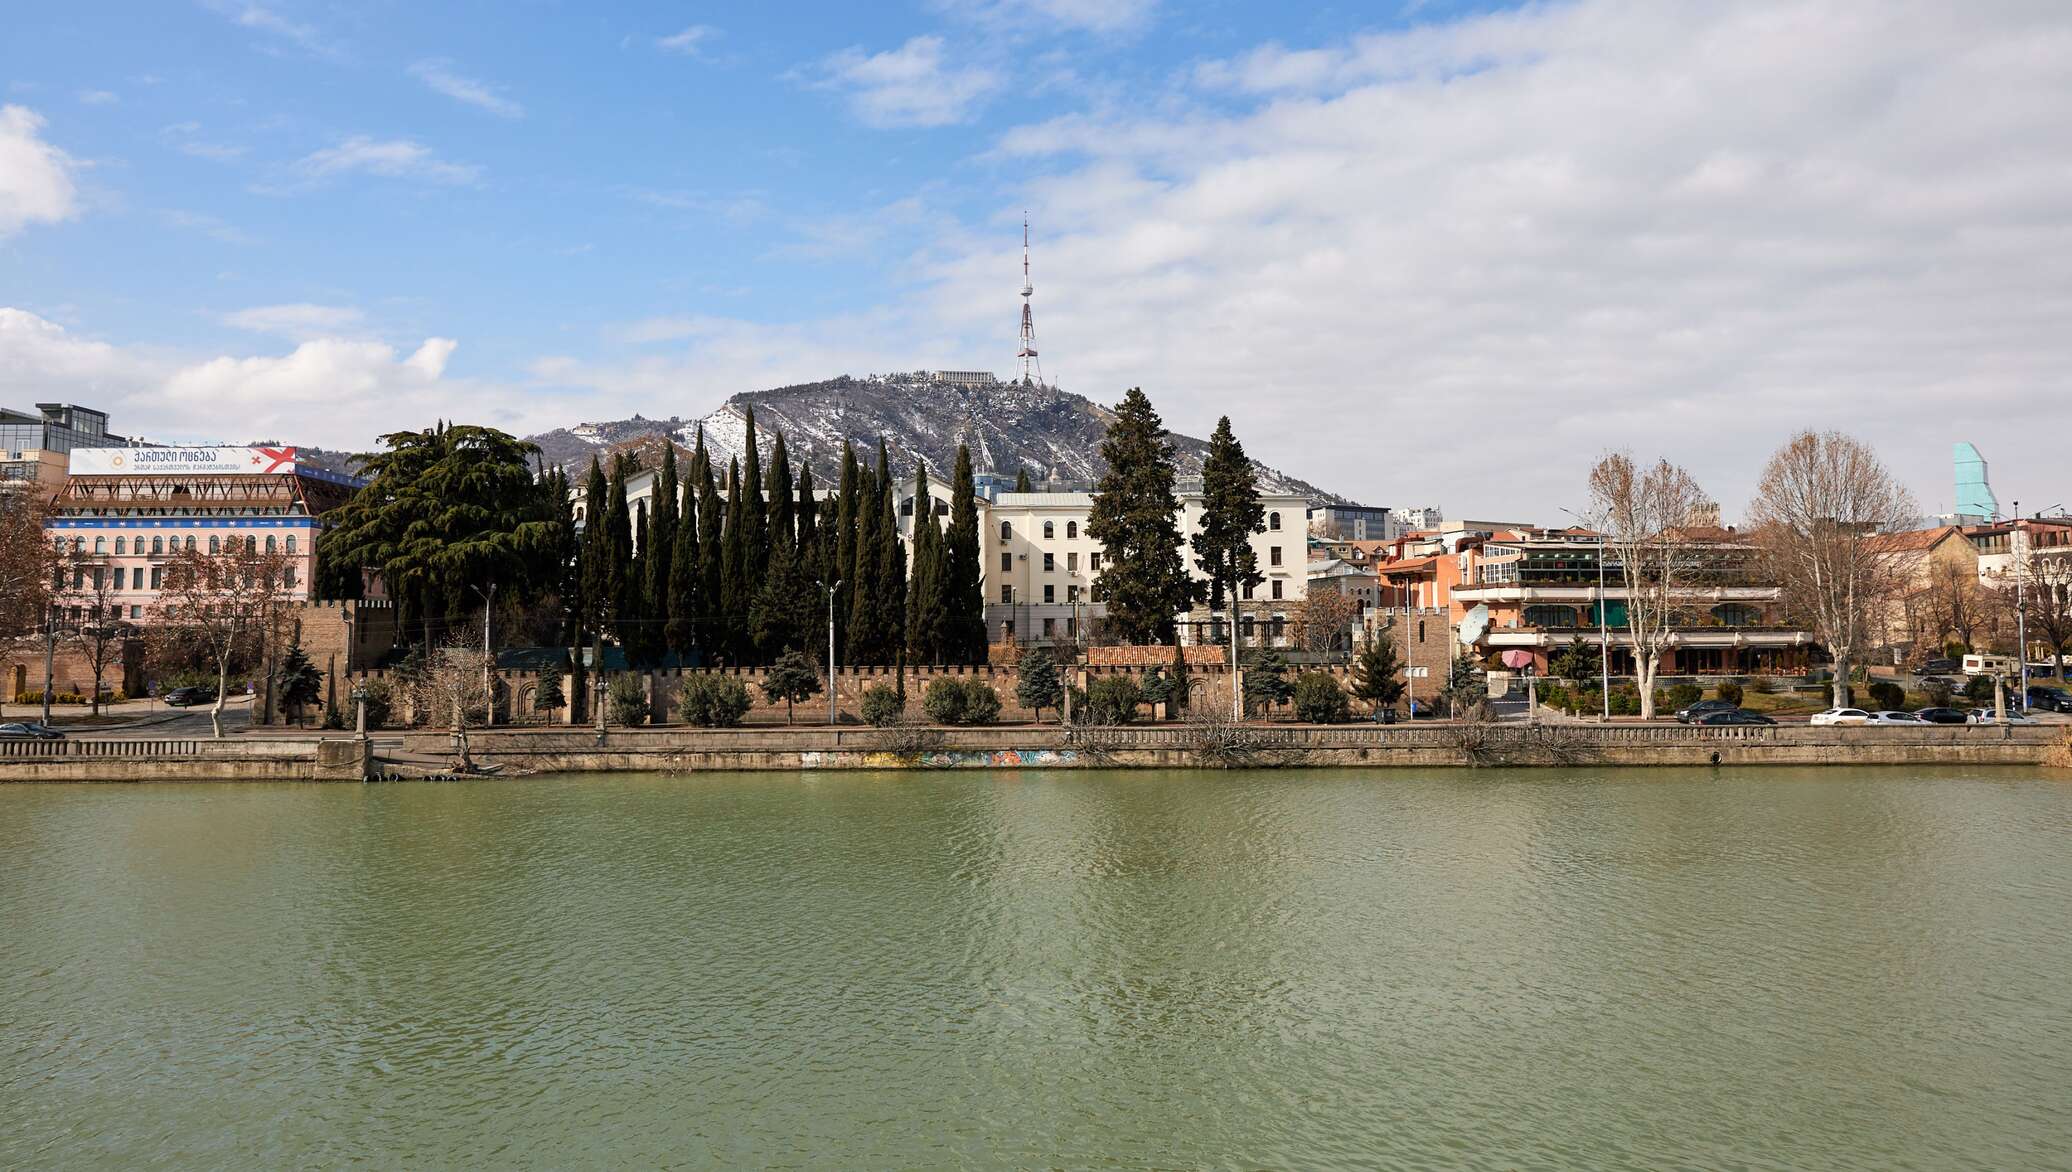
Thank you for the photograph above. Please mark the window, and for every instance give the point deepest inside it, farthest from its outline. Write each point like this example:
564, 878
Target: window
1006, 562
1006, 531
136, 612
1273, 522
1094, 592
942, 508
1050, 594
1276, 587
1050, 628
1072, 562
119, 546
100, 545
1072, 593
1280, 627
269, 543
1420, 630
1071, 528
1050, 563
291, 543
1007, 596
1048, 531
1248, 592
1071, 628
190, 543
157, 577
1250, 629
137, 578
158, 545
216, 543
1273, 555
906, 507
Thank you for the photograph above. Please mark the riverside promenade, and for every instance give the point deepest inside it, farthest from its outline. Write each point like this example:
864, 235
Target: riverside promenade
519, 752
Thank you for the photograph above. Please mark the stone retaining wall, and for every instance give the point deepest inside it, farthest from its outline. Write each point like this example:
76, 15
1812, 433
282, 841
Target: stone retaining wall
254, 759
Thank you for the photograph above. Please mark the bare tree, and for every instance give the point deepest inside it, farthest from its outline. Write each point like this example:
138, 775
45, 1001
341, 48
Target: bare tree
1822, 502
2044, 599
1641, 512
453, 687
221, 604
88, 594
27, 560
1323, 620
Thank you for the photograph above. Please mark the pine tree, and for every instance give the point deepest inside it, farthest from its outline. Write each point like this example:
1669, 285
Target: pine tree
785, 607
1231, 514
1143, 580
963, 588
710, 636
924, 603
865, 642
1376, 669
1021, 480
548, 695
734, 594
755, 518
298, 681
1037, 686
578, 688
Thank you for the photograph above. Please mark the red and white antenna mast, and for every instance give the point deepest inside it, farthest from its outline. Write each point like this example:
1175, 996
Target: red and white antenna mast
1031, 371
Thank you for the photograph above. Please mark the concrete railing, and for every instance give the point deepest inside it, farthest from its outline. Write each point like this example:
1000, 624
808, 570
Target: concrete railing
173, 759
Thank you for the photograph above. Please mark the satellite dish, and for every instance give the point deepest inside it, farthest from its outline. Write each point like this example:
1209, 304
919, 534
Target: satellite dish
1472, 627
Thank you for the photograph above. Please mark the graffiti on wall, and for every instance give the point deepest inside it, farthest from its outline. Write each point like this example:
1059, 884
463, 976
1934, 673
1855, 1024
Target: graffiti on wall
943, 759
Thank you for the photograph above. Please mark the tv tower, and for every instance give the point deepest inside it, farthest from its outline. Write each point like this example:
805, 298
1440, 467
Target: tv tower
1031, 371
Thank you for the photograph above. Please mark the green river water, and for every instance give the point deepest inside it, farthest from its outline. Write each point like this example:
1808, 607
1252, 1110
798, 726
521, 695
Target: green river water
1631, 969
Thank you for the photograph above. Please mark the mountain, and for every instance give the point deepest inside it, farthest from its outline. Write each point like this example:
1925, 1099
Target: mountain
1009, 426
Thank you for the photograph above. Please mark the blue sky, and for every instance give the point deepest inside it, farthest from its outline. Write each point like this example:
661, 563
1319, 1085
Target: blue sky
1678, 227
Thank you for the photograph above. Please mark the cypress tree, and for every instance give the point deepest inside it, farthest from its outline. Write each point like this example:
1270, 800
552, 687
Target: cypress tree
680, 633
866, 599
1231, 514
755, 519
1143, 580
842, 544
806, 511
734, 593
963, 593
1021, 480
659, 554
924, 601
594, 607
782, 529
892, 562
710, 636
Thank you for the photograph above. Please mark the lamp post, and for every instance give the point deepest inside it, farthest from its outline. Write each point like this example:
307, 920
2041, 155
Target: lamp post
1604, 638
831, 709
2016, 538
359, 697
488, 660
50, 655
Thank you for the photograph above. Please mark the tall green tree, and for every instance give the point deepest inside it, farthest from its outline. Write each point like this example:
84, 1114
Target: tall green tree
658, 557
779, 484
600, 592
680, 631
735, 594
755, 514
711, 554
1375, 672
867, 600
925, 613
963, 587
1231, 514
625, 583
892, 563
446, 511
1143, 580
1021, 480
806, 510
842, 541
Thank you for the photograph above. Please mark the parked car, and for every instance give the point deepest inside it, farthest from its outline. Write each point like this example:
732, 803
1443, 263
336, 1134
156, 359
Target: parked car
2050, 699
1892, 716
1939, 666
1942, 716
1986, 716
189, 696
30, 730
1835, 716
1730, 716
1691, 713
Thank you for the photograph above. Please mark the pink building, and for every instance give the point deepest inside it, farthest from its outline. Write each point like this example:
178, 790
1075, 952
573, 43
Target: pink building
129, 509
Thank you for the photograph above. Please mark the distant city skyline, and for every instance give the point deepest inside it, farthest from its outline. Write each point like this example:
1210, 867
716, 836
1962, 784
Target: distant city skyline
1448, 253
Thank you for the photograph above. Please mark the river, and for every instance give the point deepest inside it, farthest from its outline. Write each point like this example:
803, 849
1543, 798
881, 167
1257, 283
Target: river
1628, 969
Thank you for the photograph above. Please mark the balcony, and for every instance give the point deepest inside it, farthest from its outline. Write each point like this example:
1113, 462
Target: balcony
1692, 637
1537, 592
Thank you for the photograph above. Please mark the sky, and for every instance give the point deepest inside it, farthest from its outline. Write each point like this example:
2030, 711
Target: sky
1419, 253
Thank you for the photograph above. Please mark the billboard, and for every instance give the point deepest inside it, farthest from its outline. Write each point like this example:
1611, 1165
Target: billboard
182, 461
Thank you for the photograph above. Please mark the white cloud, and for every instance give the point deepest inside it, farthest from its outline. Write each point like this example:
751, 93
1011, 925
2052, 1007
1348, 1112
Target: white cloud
912, 85
207, 225
35, 177
398, 158
690, 42
99, 97
1098, 16
299, 321
437, 74
262, 19
328, 392
185, 138
1455, 263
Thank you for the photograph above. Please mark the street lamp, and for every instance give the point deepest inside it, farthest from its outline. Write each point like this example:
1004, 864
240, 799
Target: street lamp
359, 698
488, 660
1604, 638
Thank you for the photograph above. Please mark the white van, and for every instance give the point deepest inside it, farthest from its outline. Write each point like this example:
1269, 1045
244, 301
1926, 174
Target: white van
1991, 665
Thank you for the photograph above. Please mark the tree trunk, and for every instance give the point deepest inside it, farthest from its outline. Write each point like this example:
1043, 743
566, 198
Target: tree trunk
222, 686
1644, 669
1841, 688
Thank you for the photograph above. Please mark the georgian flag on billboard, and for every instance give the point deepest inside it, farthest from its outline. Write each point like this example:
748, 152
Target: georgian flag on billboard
182, 461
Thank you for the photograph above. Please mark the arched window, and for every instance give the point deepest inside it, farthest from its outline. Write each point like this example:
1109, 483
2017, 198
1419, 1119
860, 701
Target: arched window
119, 545
1006, 531
1273, 521
158, 545
291, 543
1071, 528
190, 542
269, 543
216, 544
1048, 531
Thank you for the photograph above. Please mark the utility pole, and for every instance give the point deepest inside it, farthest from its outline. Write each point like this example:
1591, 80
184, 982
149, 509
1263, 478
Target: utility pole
1237, 693
2017, 540
50, 655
